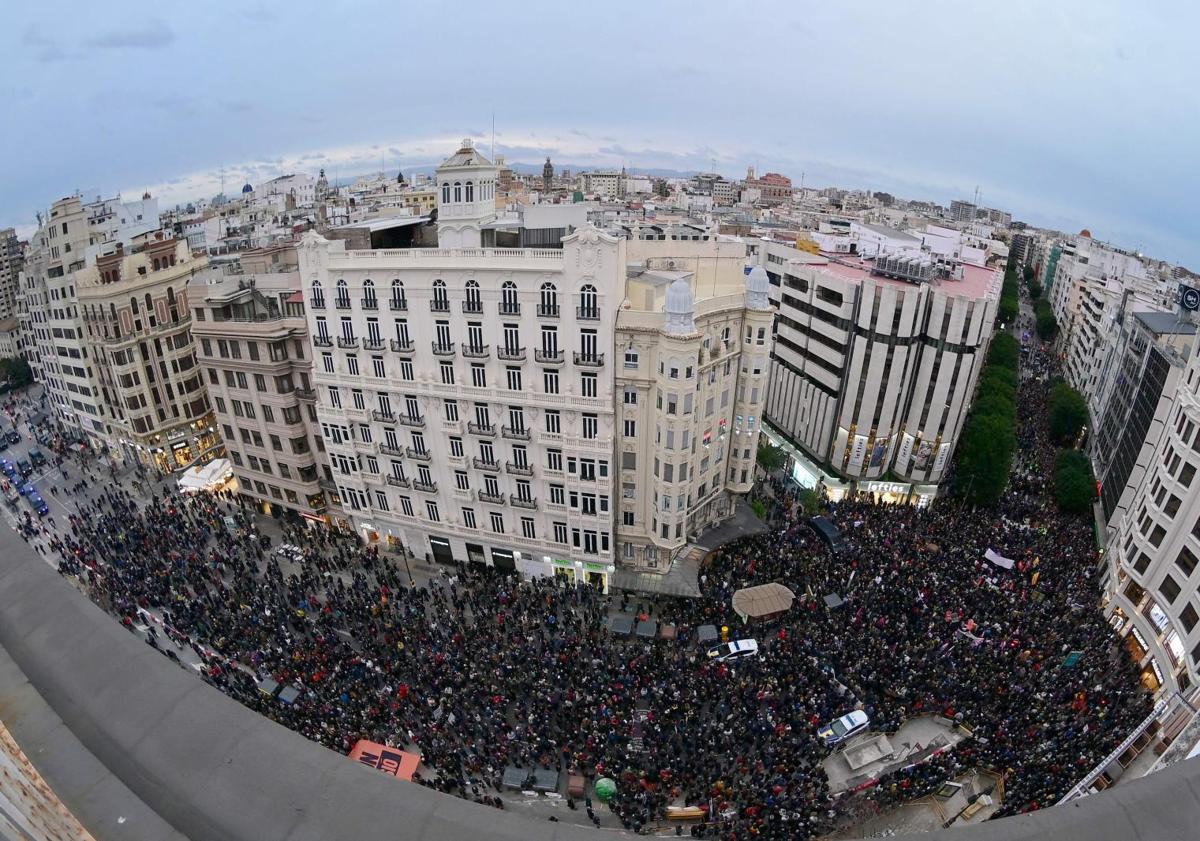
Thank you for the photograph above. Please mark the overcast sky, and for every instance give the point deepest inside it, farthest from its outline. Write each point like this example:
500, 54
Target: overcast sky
1069, 113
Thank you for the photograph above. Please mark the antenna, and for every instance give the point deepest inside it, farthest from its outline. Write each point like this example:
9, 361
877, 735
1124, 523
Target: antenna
493, 137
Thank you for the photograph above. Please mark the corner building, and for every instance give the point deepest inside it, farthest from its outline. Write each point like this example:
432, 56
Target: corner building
467, 393
874, 366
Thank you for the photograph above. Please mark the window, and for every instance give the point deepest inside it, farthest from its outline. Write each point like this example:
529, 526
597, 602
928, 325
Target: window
447, 369
431, 511
527, 529
553, 421
630, 429
631, 397
629, 461
631, 359
513, 375
627, 520
398, 301
1189, 618
497, 520
560, 533
1169, 589
554, 460
451, 409
406, 506
591, 425
456, 447
478, 376
550, 381
461, 481
469, 518
588, 384
588, 303
1186, 561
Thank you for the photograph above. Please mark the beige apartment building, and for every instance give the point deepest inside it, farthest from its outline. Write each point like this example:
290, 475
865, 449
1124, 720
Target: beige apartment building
133, 303
252, 342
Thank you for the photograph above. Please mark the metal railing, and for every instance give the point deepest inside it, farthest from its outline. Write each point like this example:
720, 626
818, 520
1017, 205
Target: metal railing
518, 469
443, 349
481, 429
521, 434
549, 357
480, 464
589, 360
402, 347
419, 455
511, 354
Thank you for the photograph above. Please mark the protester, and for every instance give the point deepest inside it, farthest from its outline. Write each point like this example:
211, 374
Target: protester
478, 671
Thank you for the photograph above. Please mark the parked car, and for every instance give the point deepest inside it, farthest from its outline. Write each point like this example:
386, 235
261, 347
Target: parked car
24, 468
26, 489
37, 503
736, 650
10, 469
37, 457
13, 436
841, 729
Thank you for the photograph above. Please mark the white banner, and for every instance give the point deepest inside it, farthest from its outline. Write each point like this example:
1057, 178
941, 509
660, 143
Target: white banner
904, 453
998, 559
858, 452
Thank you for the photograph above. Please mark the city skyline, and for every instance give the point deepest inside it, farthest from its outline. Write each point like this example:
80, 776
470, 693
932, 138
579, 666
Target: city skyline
836, 108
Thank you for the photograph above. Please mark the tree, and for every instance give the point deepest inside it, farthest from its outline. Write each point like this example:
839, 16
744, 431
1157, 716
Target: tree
984, 458
810, 500
1028, 274
1035, 289
993, 378
16, 371
770, 458
1068, 413
1074, 483
1047, 324
1006, 313
1005, 351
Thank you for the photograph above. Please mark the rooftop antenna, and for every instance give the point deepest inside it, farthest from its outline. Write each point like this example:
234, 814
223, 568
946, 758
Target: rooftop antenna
977, 195
493, 137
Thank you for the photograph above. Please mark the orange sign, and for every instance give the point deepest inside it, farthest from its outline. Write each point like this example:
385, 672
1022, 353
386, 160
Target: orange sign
398, 763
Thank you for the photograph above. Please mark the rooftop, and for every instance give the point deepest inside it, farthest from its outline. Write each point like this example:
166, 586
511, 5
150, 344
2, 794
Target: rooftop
1166, 323
975, 283
891, 233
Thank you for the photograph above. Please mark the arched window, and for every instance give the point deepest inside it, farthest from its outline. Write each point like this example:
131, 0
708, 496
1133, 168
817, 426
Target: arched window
548, 301
155, 263
343, 295
133, 305
473, 303
369, 301
446, 192
470, 191
457, 191
399, 302
171, 305
440, 303
318, 295
588, 305
149, 304
508, 299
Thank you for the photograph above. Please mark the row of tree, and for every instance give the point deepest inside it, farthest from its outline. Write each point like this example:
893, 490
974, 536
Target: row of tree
1074, 482
15, 373
985, 449
1009, 300
1032, 283
1047, 324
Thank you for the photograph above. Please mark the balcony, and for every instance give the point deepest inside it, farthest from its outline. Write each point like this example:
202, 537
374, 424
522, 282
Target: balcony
440, 349
373, 344
419, 455
589, 360
518, 469
472, 307
342, 303
381, 415
521, 434
413, 420
547, 310
322, 341
403, 346
317, 303
347, 343
439, 305
510, 308
398, 305
369, 303
522, 502
481, 429
494, 499
427, 487
587, 313
476, 351
481, 464
305, 393
398, 482
549, 357
511, 354
389, 450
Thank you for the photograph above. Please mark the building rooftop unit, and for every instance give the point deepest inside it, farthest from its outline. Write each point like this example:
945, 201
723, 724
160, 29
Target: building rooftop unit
976, 281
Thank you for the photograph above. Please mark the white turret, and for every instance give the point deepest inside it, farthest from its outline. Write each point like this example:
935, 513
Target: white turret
466, 187
681, 309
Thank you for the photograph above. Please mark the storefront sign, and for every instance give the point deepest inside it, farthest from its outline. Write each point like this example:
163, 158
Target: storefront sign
592, 566
897, 488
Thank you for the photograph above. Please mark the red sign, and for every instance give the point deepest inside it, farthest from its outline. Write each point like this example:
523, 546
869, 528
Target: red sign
398, 763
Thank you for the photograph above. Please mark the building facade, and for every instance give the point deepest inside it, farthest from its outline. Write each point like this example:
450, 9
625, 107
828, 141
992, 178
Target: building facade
133, 303
12, 261
252, 342
1151, 580
874, 366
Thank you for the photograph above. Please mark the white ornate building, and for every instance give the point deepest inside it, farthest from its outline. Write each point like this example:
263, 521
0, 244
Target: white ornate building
467, 394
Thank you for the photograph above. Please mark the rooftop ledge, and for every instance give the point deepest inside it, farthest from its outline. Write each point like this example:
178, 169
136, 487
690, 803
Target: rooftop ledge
422, 255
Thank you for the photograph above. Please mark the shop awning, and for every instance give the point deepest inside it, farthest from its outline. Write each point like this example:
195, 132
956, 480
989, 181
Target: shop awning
763, 601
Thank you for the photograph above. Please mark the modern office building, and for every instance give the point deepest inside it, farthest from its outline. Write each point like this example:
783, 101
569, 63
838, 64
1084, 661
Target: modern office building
1151, 582
12, 261
467, 394
962, 211
252, 343
874, 365
133, 303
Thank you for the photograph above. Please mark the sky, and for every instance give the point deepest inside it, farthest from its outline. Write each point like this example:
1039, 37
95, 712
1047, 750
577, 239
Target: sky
1070, 114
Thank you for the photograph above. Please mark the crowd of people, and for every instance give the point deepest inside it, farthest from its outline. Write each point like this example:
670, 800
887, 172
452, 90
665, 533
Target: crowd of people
478, 671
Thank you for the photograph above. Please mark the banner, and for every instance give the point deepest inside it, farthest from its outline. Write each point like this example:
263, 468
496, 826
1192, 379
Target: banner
904, 453
998, 559
399, 763
857, 453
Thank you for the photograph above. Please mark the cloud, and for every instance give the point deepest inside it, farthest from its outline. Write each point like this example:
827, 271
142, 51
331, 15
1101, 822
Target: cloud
151, 35
238, 106
259, 14
44, 50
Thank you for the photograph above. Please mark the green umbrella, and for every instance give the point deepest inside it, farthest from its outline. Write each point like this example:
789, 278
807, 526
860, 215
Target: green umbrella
605, 789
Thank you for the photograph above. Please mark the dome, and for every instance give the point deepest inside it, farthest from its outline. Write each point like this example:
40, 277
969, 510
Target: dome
247, 188
681, 308
1086, 233
758, 285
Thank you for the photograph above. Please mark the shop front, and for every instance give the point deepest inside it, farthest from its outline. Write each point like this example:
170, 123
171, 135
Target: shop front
502, 559
592, 573
440, 547
475, 554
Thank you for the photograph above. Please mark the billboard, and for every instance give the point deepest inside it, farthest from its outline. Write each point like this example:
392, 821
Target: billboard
399, 763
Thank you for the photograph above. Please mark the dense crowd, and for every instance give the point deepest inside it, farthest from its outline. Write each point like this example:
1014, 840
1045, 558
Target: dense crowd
478, 671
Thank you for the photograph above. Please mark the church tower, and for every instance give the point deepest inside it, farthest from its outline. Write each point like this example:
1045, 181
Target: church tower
548, 177
466, 188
